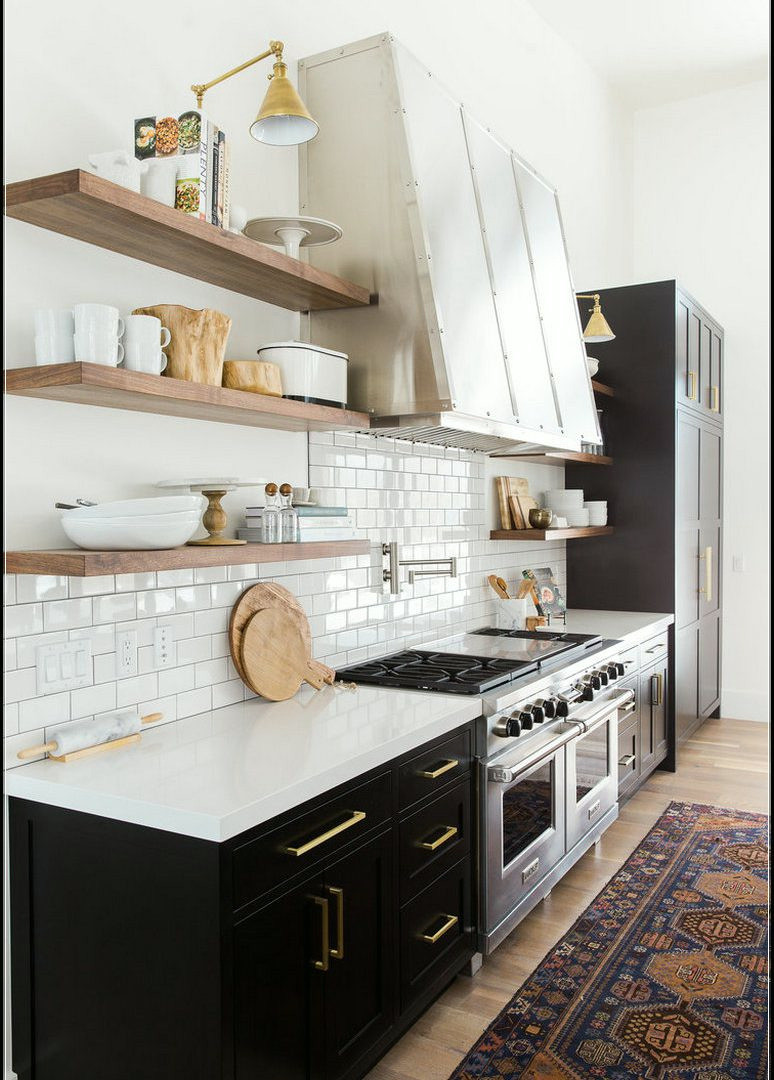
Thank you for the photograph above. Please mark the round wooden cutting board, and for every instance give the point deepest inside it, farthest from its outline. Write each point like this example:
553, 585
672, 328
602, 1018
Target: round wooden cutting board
266, 596
275, 657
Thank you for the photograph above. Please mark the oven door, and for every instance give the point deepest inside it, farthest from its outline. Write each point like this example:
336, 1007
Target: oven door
592, 767
525, 823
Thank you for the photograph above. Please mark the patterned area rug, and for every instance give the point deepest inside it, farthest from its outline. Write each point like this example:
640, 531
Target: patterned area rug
664, 976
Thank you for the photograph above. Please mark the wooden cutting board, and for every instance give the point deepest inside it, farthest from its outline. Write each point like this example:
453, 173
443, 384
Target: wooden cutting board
275, 657
268, 596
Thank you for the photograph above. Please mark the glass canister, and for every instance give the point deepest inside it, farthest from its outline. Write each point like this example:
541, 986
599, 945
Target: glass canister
288, 516
270, 519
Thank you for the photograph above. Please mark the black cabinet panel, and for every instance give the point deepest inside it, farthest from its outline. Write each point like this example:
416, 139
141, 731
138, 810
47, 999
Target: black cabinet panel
710, 479
359, 1001
433, 839
709, 662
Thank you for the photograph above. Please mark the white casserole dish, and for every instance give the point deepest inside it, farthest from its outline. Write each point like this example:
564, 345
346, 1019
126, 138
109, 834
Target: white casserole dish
309, 372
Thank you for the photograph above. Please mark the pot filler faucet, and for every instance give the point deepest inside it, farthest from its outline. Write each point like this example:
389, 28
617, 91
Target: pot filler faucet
392, 574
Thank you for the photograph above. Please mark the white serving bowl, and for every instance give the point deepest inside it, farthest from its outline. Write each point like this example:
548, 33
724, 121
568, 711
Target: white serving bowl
138, 519
139, 535
147, 508
578, 518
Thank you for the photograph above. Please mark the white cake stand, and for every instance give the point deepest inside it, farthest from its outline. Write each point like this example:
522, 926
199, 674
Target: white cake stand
292, 232
214, 519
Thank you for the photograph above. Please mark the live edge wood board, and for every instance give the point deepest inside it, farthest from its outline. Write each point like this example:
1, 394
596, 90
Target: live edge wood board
115, 388
74, 562
90, 208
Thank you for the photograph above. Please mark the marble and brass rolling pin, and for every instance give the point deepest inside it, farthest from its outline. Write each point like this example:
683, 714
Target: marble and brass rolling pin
82, 737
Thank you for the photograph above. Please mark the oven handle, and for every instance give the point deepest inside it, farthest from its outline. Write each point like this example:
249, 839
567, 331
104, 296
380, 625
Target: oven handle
510, 769
623, 700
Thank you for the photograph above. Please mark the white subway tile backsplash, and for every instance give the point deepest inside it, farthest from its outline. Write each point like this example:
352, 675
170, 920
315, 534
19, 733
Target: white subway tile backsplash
9, 654
434, 501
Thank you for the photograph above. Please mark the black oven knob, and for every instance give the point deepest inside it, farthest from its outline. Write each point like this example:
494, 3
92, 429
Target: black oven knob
525, 719
619, 668
562, 708
612, 671
602, 676
594, 682
538, 714
549, 707
587, 689
513, 726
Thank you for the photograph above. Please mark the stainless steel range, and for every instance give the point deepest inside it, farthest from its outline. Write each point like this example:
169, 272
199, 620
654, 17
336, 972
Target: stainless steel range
547, 751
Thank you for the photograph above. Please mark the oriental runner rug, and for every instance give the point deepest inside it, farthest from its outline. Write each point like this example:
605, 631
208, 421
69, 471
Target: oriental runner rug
664, 976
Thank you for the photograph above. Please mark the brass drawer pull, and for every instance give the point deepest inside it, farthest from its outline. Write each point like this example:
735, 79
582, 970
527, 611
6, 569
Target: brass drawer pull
433, 774
338, 952
431, 845
451, 920
630, 706
715, 399
324, 963
655, 648
657, 694
628, 760
692, 386
594, 809
357, 815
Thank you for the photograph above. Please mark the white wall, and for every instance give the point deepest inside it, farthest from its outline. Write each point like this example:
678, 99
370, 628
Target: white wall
76, 79
701, 213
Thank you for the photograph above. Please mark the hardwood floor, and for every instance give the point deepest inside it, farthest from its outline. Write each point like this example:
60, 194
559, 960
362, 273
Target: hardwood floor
724, 763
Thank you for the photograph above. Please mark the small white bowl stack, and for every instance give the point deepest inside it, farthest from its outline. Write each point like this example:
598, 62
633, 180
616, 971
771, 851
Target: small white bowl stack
568, 504
135, 524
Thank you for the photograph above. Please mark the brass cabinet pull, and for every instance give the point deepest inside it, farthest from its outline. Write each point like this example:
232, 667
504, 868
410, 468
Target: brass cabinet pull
630, 706
451, 920
433, 774
692, 376
628, 760
594, 809
657, 695
715, 399
706, 589
655, 648
324, 963
431, 845
338, 952
357, 815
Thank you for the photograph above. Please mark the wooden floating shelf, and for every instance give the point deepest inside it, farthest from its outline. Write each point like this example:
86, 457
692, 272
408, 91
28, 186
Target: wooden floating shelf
115, 388
600, 388
550, 534
92, 209
559, 457
74, 562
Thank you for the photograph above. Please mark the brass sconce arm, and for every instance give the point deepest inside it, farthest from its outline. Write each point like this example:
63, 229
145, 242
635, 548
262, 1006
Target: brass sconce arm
200, 89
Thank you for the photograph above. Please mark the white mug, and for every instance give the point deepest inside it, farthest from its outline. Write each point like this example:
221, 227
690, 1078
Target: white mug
100, 318
144, 339
53, 336
98, 348
160, 181
144, 356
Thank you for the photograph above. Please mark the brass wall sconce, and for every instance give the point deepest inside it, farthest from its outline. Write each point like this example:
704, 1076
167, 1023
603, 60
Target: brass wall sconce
597, 328
283, 119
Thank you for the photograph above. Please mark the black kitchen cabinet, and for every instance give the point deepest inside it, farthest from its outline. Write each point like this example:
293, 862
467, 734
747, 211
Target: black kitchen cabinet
298, 950
664, 491
653, 726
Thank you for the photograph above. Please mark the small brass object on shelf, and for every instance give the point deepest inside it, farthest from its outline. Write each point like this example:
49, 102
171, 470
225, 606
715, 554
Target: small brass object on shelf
540, 519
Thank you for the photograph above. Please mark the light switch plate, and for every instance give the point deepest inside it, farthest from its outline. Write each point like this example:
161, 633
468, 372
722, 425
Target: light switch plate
163, 647
65, 665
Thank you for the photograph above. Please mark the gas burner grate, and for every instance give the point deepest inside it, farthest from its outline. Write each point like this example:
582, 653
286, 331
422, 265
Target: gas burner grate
416, 669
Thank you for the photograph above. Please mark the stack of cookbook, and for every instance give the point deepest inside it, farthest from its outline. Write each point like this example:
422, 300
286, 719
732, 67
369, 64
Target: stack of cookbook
314, 523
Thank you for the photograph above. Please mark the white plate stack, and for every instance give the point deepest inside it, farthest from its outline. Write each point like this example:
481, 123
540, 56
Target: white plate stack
597, 512
568, 503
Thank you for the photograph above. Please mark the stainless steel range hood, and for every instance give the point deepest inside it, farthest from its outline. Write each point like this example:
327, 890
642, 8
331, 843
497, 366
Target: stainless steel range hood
475, 340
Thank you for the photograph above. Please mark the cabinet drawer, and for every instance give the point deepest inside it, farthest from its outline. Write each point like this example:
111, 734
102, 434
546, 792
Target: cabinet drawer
434, 928
629, 754
627, 718
655, 648
432, 770
269, 859
433, 839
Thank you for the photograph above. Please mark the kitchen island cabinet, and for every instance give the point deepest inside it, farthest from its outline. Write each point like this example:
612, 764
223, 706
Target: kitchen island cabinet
301, 948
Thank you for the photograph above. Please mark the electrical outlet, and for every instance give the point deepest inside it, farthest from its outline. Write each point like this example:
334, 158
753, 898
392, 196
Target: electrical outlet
737, 564
163, 647
66, 665
126, 653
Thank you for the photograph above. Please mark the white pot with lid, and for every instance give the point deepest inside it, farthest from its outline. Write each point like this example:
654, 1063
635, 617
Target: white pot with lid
309, 372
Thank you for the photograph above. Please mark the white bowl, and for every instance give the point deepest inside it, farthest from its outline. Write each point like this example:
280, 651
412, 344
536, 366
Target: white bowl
101, 535
161, 504
144, 519
578, 519
596, 504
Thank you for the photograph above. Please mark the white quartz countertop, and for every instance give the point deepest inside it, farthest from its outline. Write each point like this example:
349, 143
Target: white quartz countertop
217, 774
